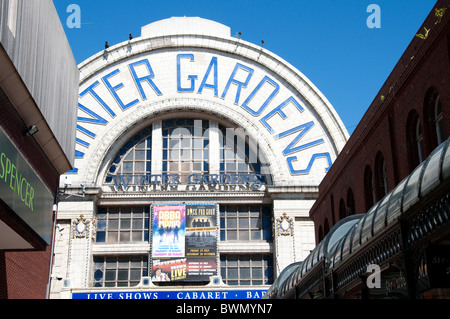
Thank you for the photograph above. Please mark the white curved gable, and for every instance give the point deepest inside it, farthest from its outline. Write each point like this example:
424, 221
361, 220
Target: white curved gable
194, 67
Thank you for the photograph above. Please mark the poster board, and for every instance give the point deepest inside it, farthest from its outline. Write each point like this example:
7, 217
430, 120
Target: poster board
184, 242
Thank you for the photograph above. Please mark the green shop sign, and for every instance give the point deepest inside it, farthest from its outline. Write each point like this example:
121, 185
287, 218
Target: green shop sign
23, 191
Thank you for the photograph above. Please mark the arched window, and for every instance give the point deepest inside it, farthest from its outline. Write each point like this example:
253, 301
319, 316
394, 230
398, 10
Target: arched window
381, 179
326, 227
333, 215
419, 141
342, 210
238, 152
433, 121
350, 202
184, 150
415, 140
439, 121
369, 190
134, 158
185, 147
320, 233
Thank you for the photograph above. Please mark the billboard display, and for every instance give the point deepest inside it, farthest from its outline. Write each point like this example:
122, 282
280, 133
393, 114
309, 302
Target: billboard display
184, 242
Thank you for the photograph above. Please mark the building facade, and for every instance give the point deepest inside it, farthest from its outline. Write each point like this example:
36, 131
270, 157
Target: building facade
382, 215
198, 157
38, 95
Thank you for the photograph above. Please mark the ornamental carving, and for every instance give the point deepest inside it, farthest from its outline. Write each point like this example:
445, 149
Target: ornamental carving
285, 225
81, 227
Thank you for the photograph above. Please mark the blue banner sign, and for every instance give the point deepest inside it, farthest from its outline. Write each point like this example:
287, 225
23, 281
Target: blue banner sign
188, 294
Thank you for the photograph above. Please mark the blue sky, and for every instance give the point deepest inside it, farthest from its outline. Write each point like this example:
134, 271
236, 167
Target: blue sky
327, 40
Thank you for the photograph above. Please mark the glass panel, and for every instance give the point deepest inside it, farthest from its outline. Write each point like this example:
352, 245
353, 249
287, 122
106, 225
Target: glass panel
110, 275
127, 167
256, 235
411, 191
141, 145
267, 234
123, 262
244, 273
126, 212
135, 274
244, 261
231, 223
255, 223
113, 237
232, 273
431, 174
231, 235
256, 273
139, 167
125, 224
98, 275
138, 213
124, 236
137, 236
101, 237
137, 223
243, 235
113, 224
139, 155
243, 222
122, 274
232, 261
101, 225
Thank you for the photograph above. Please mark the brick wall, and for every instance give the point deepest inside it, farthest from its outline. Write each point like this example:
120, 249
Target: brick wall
24, 274
423, 70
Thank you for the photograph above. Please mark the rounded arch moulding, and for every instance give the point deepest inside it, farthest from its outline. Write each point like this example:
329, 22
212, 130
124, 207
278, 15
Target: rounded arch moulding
192, 66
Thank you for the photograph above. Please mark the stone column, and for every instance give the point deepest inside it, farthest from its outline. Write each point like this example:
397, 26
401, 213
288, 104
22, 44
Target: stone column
73, 243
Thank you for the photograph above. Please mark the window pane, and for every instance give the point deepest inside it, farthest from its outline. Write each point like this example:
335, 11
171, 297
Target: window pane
137, 223
122, 274
256, 235
231, 223
243, 222
257, 273
244, 261
124, 236
135, 274
243, 235
232, 273
113, 224
136, 236
125, 224
113, 237
232, 261
232, 235
98, 275
101, 225
246, 269
110, 275
101, 237
139, 155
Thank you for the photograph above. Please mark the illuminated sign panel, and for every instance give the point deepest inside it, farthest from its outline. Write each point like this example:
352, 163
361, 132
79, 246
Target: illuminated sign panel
23, 191
184, 242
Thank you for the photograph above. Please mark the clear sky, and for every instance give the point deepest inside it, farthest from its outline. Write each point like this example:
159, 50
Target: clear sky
329, 41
